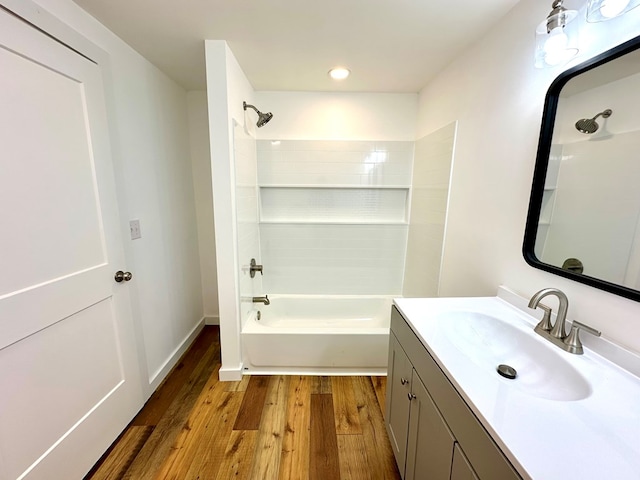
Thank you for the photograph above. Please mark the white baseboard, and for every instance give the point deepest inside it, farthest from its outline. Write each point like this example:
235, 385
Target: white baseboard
230, 374
318, 371
163, 371
212, 320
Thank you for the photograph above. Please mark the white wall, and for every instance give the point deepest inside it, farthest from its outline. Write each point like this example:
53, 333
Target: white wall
201, 166
497, 95
338, 116
227, 88
150, 144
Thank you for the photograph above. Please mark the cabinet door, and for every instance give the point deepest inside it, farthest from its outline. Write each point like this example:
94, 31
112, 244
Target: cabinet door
461, 468
397, 400
430, 444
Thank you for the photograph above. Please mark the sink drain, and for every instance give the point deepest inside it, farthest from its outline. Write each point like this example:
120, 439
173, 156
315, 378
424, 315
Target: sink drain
507, 372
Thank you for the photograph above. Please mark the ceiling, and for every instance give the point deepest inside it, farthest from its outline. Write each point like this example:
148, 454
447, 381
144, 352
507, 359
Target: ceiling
389, 45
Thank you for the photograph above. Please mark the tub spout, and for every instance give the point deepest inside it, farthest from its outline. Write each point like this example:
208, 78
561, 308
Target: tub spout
264, 300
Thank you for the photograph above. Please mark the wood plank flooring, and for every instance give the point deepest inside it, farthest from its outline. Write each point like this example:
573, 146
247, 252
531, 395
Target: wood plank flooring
260, 428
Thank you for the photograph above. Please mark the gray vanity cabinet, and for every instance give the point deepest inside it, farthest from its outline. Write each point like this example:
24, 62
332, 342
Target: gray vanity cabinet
430, 443
397, 401
461, 469
434, 434
420, 438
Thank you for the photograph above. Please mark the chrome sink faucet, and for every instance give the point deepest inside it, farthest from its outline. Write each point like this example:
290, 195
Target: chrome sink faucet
556, 334
557, 331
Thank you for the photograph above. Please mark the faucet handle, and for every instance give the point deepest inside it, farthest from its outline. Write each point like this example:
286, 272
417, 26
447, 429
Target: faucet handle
576, 324
573, 343
254, 267
545, 323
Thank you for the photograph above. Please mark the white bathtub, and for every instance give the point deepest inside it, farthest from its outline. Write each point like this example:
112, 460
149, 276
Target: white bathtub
319, 334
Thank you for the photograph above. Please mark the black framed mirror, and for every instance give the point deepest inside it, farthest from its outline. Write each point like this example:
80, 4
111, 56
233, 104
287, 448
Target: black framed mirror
583, 221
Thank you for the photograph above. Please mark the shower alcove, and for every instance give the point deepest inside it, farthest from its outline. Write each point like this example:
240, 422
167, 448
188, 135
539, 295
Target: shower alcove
332, 227
332, 224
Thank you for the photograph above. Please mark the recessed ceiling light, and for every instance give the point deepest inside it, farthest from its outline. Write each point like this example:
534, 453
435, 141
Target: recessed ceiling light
339, 73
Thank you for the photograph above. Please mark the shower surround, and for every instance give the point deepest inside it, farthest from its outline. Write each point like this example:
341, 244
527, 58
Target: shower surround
333, 225
333, 216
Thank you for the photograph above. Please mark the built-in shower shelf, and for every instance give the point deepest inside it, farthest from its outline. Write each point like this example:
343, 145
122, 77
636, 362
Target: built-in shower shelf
334, 205
546, 209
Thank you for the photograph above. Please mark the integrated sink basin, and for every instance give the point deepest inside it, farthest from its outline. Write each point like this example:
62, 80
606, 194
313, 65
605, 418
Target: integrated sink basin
564, 416
489, 341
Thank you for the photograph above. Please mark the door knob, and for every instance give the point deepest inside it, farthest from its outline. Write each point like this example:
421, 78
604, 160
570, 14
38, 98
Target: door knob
120, 276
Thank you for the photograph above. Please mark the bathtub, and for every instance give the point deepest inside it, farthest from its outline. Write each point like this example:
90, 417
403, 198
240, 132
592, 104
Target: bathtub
318, 335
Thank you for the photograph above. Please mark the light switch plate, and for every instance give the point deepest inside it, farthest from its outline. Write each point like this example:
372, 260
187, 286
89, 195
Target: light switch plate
134, 227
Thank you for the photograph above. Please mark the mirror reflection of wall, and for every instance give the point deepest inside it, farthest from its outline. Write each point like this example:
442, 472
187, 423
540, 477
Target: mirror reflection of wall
591, 204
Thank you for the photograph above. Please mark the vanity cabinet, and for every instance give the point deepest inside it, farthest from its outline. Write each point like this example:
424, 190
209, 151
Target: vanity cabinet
421, 441
433, 433
430, 442
461, 468
397, 402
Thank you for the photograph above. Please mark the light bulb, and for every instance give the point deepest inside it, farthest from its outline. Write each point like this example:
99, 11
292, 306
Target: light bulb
557, 41
612, 8
555, 47
339, 73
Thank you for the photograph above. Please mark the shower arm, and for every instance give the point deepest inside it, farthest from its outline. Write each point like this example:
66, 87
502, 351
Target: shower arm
605, 114
245, 105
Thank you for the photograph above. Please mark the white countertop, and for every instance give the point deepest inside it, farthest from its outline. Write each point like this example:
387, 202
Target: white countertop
596, 437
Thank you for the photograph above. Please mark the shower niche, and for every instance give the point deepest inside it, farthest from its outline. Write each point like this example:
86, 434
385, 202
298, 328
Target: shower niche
334, 204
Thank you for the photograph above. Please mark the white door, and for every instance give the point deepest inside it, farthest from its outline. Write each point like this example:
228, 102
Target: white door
69, 380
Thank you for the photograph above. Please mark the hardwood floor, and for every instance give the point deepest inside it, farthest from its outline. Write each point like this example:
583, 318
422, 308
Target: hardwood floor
260, 428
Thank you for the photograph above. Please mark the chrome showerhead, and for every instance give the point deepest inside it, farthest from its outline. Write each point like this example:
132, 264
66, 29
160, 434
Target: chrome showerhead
589, 125
263, 118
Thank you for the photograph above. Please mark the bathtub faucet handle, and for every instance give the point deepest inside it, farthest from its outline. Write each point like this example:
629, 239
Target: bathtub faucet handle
254, 267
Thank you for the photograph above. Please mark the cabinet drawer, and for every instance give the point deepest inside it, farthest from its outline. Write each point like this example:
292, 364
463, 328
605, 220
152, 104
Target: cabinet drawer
488, 461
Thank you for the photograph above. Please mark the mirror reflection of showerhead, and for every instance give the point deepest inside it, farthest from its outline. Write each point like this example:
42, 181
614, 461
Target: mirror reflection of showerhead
263, 118
589, 125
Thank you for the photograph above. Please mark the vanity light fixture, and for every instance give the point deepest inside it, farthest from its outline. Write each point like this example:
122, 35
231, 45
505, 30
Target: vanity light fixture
339, 73
601, 10
556, 39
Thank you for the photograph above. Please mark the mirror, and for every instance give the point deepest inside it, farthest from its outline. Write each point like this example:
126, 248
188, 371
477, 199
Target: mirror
584, 212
